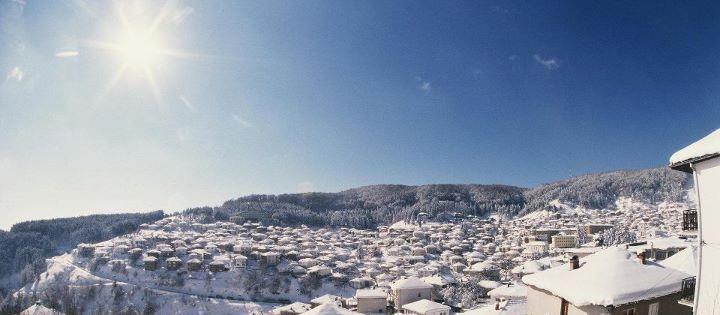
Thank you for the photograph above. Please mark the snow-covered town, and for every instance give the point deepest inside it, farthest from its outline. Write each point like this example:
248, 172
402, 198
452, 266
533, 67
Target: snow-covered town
470, 265
423, 157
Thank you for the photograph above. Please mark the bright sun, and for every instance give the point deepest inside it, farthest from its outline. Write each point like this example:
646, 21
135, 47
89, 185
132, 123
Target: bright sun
139, 49
138, 46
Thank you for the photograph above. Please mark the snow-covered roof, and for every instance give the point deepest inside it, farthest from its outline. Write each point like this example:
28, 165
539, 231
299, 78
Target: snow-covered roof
402, 225
370, 293
38, 309
489, 284
583, 250
685, 261
529, 267
297, 307
703, 149
439, 280
613, 276
410, 283
423, 306
327, 298
329, 309
662, 243
505, 308
516, 291
482, 266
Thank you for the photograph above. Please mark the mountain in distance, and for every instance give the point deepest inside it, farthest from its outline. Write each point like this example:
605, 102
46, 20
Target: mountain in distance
370, 206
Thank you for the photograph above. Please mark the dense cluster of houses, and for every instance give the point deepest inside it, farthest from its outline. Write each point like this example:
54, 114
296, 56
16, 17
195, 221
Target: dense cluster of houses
399, 268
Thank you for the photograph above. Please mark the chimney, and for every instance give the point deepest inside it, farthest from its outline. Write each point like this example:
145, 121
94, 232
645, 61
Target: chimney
641, 257
574, 262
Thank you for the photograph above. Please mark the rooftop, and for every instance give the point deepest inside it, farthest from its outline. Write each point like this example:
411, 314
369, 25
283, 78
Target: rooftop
612, 276
685, 261
410, 283
703, 149
370, 293
329, 309
424, 306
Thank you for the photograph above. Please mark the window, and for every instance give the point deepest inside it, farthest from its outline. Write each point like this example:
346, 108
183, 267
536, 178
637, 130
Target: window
418, 294
654, 309
631, 311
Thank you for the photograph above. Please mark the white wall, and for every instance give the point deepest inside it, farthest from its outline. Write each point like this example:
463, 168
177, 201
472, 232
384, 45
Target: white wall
707, 298
542, 302
405, 296
371, 305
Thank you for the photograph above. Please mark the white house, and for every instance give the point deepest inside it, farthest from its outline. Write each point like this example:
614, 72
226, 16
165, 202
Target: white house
371, 301
702, 159
328, 299
426, 307
409, 290
292, 309
329, 309
563, 241
239, 261
39, 309
613, 281
535, 248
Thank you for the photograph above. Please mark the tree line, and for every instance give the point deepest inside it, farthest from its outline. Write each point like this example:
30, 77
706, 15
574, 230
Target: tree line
370, 206
25, 247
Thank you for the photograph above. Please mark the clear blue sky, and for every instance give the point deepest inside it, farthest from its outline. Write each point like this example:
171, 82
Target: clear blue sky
285, 96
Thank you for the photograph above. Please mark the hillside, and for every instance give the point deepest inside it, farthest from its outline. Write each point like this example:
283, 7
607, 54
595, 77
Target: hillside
24, 248
369, 206
597, 191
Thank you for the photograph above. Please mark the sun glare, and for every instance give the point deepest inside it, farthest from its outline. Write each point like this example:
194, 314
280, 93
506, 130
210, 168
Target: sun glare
138, 45
140, 49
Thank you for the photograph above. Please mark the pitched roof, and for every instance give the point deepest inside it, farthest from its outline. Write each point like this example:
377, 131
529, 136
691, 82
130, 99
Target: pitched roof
410, 283
38, 309
703, 149
424, 306
516, 291
505, 308
613, 276
329, 309
685, 261
370, 293
297, 307
327, 298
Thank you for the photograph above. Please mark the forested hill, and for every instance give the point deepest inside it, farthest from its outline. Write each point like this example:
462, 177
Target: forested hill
597, 191
370, 206
24, 248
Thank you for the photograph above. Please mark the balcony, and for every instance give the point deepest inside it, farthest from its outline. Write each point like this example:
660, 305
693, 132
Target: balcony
688, 292
689, 220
